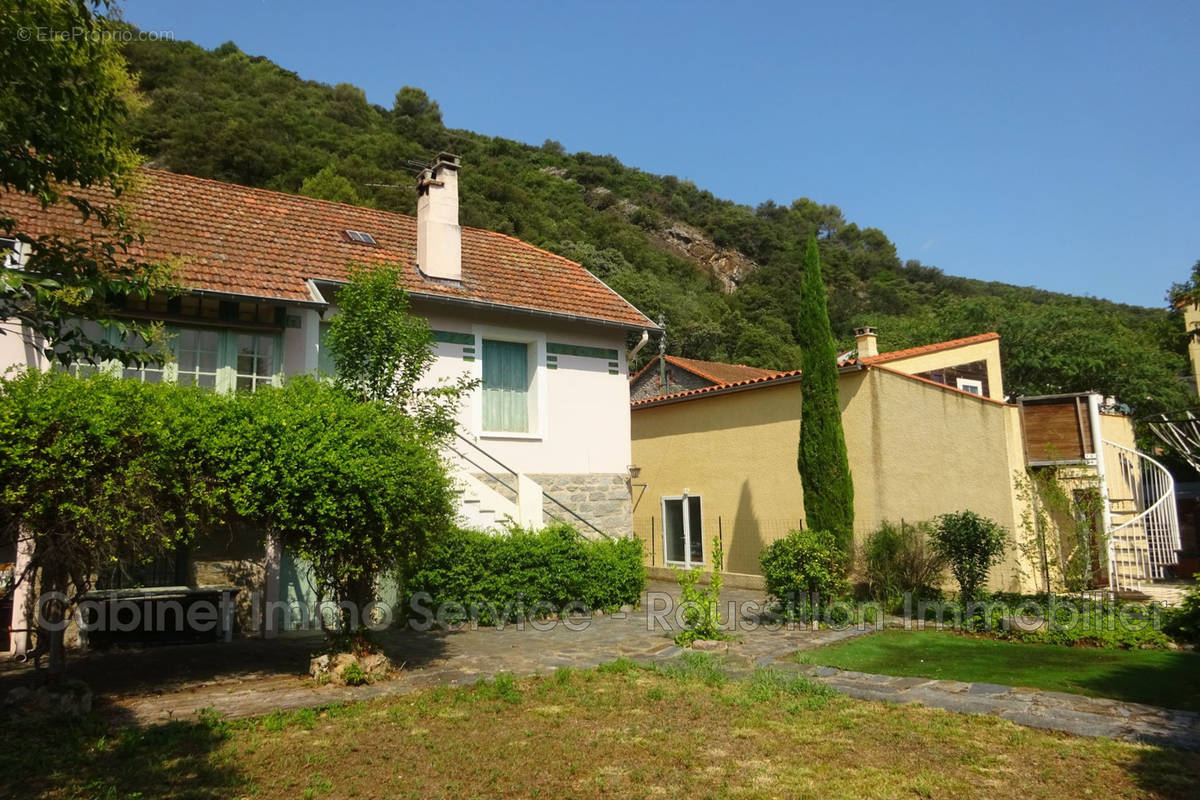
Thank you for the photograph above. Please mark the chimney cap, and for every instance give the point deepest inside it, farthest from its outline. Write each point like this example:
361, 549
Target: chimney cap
865, 330
447, 160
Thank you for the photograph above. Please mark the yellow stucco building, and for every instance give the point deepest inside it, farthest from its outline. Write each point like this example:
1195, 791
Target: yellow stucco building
928, 431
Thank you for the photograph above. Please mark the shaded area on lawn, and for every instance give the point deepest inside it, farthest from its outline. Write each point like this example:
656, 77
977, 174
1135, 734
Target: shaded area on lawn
1167, 678
619, 730
107, 759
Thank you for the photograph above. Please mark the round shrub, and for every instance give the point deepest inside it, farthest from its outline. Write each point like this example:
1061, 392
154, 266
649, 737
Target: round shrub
971, 545
804, 563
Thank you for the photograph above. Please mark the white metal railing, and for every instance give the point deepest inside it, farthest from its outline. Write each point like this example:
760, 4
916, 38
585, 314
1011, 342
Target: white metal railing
1144, 538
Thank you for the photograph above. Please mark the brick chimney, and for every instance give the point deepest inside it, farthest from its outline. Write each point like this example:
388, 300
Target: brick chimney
439, 236
865, 336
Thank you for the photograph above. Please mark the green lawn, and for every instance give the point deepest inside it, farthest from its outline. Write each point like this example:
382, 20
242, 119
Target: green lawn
1168, 678
619, 731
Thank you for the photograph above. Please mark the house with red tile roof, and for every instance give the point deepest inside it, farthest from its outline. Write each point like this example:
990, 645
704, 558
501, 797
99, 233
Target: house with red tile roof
546, 434
927, 429
667, 374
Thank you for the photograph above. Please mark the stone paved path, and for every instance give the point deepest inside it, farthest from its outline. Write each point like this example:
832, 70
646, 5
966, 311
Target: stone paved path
252, 677
1057, 711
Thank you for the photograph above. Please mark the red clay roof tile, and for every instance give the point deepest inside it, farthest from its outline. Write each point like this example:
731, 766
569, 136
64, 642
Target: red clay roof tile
872, 361
266, 244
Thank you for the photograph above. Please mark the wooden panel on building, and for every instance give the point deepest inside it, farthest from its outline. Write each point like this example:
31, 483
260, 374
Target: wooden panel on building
1057, 429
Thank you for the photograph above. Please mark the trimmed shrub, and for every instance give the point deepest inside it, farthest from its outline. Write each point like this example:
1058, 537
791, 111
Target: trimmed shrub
495, 578
803, 563
971, 545
898, 558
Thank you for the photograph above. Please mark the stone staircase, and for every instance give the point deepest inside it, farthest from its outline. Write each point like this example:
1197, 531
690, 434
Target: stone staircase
482, 507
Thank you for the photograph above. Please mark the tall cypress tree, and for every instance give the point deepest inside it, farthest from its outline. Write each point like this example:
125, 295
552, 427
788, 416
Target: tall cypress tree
823, 463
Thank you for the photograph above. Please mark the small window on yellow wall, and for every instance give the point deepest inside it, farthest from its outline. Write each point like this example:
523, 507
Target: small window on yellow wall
969, 385
683, 530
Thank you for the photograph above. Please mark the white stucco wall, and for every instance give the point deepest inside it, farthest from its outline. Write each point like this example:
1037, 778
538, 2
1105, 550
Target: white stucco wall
15, 347
581, 416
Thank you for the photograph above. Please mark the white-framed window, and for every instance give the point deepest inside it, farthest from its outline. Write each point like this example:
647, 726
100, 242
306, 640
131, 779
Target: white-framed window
508, 369
683, 529
255, 360
970, 385
197, 356
208, 357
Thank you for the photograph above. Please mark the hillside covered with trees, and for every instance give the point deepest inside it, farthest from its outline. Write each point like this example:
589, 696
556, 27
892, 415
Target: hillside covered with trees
724, 276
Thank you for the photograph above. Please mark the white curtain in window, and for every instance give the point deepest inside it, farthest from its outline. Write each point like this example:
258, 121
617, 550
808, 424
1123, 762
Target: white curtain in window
505, 386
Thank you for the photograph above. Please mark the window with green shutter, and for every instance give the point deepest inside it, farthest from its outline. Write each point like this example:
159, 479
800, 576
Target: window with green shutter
505, 386
325, 362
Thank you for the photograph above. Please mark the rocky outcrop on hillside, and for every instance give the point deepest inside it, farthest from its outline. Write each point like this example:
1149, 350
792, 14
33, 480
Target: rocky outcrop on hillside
728, 266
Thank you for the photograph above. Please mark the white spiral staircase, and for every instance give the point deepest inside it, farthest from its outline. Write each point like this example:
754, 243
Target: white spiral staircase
1143, 541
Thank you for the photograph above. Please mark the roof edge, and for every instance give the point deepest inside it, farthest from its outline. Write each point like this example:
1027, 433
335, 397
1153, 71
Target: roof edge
936, 347
537, 312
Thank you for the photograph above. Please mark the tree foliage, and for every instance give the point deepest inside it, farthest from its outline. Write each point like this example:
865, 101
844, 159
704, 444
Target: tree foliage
66, 104
971, 545
225, 115
381, 352
101, 470
355, 488
823, 462
97, 470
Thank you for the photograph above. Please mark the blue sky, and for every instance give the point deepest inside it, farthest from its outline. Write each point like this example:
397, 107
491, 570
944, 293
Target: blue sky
1048, 144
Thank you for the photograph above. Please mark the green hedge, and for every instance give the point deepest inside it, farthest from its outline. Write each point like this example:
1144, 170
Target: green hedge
501, 577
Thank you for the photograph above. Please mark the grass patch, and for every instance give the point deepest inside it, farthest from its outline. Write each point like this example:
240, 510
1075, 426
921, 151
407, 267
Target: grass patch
621, 732
1168, 678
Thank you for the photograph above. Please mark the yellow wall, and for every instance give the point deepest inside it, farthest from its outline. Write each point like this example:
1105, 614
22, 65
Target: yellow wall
1117, 428
981, 351
916, 450
1191, 321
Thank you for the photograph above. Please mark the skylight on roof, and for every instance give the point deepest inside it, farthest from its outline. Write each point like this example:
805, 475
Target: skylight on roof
359, 236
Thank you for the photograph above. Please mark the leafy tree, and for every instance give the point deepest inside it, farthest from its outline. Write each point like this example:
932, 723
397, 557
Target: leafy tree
823, 463
66, 103
327, 184
381, 351
98, 470
354, 487
971, 545
1187, 291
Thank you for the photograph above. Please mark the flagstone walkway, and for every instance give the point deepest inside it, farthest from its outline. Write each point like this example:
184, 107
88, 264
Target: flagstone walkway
251, 677
1057, 711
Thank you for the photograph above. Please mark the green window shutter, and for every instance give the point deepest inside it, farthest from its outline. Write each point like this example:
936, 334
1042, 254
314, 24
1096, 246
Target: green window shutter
505, 386
325, 363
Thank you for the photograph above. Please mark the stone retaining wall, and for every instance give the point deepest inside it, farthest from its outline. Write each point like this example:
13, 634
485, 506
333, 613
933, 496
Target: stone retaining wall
602, 499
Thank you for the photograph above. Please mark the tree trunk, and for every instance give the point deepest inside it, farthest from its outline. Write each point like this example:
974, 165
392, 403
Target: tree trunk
52, 614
